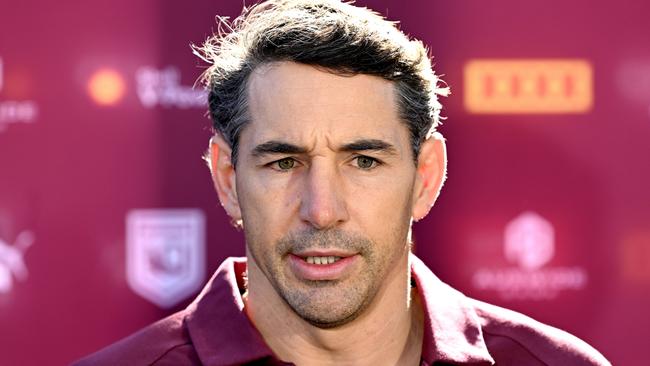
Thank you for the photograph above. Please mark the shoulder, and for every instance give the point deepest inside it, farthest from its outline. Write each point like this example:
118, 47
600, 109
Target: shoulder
164, 342
511, 336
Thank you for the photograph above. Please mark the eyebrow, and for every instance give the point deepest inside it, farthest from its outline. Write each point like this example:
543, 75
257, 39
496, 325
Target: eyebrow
277, 147
369, 145
280, 147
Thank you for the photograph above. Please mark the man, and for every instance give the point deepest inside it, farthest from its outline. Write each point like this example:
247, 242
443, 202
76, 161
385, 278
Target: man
325, 152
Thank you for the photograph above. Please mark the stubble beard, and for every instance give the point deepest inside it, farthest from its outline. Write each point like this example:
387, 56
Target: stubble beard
327, 304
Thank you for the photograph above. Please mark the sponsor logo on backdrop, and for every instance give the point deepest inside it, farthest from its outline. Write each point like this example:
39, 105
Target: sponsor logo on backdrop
529, 245
165, 253
14, 111
12, 263
528, 86
162, 87
106, 86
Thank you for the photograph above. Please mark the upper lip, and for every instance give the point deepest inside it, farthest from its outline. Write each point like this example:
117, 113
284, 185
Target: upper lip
323, 253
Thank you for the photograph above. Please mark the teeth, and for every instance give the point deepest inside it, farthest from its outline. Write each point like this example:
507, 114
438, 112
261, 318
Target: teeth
322, 260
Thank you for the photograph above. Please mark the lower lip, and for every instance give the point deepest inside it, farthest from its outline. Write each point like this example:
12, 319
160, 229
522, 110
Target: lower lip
322, 272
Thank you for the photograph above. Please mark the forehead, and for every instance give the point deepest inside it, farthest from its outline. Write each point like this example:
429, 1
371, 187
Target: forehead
298, 102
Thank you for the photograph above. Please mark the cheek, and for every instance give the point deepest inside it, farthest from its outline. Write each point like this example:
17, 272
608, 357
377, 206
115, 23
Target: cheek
383, 209
386, 192
266, 207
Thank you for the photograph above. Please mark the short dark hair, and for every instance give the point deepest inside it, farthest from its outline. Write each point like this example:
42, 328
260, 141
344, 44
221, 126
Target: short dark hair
329, 34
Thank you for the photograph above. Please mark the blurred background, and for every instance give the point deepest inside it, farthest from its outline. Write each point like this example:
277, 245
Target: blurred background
108, 219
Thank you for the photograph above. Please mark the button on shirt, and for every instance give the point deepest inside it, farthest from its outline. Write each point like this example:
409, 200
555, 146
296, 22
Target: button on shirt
215, 331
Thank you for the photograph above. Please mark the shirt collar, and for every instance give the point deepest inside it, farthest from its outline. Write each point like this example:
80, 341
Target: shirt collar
222, 334
452, 330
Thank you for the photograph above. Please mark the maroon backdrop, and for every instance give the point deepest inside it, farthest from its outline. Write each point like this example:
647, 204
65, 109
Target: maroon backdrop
545, 213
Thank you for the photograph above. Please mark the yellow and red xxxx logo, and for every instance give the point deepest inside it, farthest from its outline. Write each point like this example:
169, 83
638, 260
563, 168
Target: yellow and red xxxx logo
501, 86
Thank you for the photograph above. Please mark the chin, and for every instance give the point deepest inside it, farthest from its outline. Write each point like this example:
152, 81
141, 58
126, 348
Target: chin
329, 314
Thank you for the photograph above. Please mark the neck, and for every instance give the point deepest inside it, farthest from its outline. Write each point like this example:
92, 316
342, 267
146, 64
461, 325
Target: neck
388, 332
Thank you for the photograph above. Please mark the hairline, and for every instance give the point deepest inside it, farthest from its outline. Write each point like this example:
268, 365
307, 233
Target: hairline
244, 117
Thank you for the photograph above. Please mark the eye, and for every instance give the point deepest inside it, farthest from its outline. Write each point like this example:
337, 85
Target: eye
285, 164
366, 162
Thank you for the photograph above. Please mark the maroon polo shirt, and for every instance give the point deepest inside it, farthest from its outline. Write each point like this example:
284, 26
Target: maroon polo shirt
215, 331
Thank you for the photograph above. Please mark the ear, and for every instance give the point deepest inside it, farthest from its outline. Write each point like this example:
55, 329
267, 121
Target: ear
431, 174
223, 176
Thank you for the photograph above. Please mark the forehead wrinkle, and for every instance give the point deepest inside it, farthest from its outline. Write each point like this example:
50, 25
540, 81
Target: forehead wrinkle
307, 93
309, 89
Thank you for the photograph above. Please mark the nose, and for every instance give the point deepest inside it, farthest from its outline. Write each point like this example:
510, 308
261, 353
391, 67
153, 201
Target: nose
323, 204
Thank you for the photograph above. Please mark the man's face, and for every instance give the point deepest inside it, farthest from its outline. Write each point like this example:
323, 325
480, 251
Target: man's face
325, 182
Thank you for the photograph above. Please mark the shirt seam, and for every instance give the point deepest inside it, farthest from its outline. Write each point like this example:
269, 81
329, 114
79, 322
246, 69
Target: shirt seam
519, 343
167, 352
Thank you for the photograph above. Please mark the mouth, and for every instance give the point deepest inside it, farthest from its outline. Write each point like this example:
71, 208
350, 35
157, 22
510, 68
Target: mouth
322, 266
322, 260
